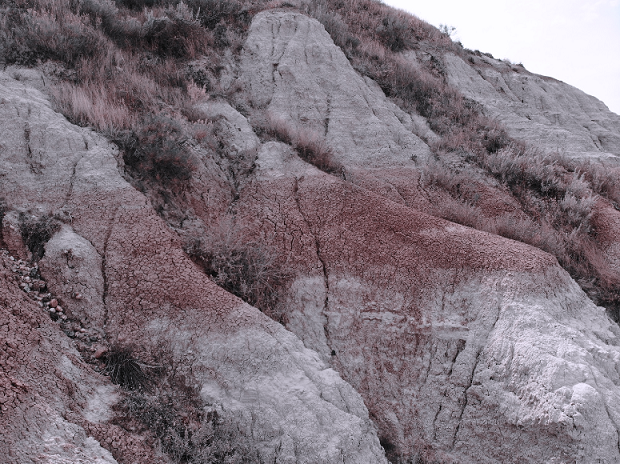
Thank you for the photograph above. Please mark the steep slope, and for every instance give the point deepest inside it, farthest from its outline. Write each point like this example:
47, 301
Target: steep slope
463, 346
536, 109
295, 72
450, 335
290, 404
43, 383
434, 323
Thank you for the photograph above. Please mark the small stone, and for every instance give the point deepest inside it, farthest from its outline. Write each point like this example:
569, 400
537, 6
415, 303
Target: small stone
63, 317
83, 330
100, 352
59, 308
54, 303
52, 310
78, 296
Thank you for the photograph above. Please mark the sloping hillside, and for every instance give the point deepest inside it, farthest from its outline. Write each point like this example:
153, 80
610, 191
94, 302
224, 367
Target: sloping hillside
298, 232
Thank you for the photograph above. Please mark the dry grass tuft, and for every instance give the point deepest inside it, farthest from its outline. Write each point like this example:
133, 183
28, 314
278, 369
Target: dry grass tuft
310, 146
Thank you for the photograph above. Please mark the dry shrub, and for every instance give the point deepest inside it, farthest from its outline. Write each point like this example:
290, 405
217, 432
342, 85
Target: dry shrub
36, 232
92, 105
247, 268
52, 33
334, 24
558, 201
155, 149
543, 185
124, 369
603, 177
172, 412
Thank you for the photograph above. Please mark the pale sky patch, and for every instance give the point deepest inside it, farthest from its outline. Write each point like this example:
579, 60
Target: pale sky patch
575, 41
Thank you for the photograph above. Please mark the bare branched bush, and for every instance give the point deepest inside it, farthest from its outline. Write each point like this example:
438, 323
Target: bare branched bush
246, 268
156, 149
173, 413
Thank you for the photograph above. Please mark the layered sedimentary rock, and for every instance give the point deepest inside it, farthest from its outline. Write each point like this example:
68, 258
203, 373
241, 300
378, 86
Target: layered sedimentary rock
480, 347
146, 292
470, 346
293, 70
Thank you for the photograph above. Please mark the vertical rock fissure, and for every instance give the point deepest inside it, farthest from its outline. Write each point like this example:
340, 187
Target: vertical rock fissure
317, 246
104, 272
71, 181
465, 399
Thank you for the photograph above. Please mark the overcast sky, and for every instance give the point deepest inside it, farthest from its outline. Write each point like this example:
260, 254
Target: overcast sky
575, 41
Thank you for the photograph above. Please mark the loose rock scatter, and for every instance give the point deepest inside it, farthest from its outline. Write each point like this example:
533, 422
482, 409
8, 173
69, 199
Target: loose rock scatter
30, 281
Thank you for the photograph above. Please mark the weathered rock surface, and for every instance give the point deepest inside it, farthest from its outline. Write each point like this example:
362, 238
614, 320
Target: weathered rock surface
478, 346
471, 346
42, 382
295, 407
548, 113
294, 71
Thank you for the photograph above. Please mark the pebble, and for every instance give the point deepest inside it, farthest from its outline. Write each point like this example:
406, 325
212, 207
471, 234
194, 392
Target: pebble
54, 303
100, 352
59, 308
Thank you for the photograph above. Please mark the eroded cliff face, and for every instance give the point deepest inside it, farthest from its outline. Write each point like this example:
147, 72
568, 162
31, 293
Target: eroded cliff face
399, 327
145, 291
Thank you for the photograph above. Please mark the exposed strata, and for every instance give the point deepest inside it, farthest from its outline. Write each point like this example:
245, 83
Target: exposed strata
296, 408
478, 348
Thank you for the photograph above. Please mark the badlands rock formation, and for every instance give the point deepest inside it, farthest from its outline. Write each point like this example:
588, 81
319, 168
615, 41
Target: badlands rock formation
538, 109
294, 406
404, 333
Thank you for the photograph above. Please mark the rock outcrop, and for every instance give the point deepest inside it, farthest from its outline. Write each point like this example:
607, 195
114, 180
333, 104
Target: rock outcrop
403, 333
294, 71
546, 112
481, 347
145, 291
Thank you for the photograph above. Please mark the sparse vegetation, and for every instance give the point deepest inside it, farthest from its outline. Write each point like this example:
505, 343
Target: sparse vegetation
156, 149
246, 268
310, 146
170, 410
125, 370
36, 232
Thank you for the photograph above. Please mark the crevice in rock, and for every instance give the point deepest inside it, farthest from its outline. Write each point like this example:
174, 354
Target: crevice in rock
71, 181
327, 116
104, 274
434, 422
317, 245
465, 398
460, 346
